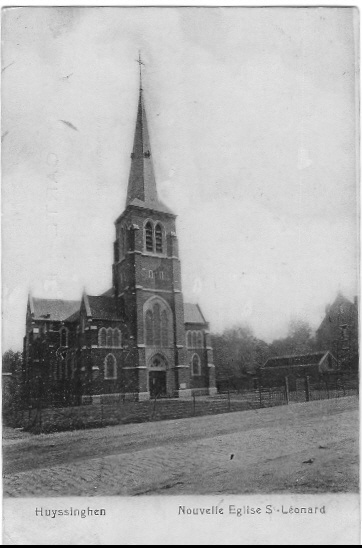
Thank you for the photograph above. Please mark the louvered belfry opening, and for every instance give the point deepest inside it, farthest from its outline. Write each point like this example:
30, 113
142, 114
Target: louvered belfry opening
158, 238
149, 237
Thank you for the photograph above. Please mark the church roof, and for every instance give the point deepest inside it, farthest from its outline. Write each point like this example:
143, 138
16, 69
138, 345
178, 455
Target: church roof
142, 190
102, 308
53, 309
313, 358
193, 314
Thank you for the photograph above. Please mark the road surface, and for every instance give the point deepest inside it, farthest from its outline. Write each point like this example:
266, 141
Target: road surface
302, 448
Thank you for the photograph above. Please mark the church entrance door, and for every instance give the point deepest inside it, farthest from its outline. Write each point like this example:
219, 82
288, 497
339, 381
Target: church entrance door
157, 383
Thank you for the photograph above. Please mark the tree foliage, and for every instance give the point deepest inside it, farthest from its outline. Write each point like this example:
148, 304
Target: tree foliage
299, 340
238, 354
11, 386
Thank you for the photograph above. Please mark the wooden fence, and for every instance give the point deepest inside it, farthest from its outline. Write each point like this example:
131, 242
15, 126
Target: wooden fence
112, 411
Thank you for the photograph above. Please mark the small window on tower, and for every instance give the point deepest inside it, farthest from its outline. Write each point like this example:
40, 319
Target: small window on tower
149, 237
158, 235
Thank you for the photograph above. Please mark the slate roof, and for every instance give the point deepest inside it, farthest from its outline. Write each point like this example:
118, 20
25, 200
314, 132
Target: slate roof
103, 308
56, 310
193, 313
142, 191
313, 358
74, 317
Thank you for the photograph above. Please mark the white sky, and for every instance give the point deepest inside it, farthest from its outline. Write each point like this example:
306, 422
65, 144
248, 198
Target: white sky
253, 123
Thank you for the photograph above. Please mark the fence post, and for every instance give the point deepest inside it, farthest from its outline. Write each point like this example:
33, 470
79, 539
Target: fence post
287, 389
101, 411
260, 395
327, 387
194, 404
228, 400
307, 391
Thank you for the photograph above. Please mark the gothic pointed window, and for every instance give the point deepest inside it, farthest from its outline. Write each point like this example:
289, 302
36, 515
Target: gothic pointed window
189, 339
116, 338
149, 328
158, 238
194, 341
157, 324
164, 329
102, 337
149, 236
110, 367
109, 337
199, 339
195, 365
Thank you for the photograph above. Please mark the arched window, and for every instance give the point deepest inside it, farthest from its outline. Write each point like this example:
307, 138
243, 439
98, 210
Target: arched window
109, 336
110, 367
149, 236
189, 339
149, 328
116, 338
64, 337
194, 341
158, 238
195, 365
157, 324
164, 329
199, 339
102, 337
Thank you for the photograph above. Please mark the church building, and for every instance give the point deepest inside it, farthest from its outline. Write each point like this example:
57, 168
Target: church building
139, 339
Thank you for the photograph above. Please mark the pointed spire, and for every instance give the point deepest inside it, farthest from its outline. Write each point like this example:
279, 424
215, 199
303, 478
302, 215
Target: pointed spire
142, 189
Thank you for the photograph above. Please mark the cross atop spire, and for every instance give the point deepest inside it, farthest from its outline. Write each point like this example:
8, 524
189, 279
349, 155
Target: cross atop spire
142, 189
141, 64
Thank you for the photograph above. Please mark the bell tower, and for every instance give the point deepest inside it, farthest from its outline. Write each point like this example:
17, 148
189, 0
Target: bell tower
147, 279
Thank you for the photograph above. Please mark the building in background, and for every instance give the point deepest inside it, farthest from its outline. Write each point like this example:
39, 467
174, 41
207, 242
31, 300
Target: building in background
139, 338
338, 332
314, 365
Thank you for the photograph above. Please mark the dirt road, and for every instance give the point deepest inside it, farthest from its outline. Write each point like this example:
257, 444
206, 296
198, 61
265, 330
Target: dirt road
303, 448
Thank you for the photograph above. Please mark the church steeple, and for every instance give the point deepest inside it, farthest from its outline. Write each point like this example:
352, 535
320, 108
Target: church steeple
142, 190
